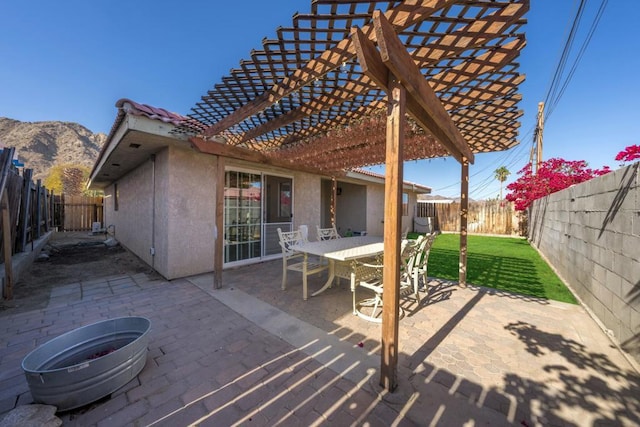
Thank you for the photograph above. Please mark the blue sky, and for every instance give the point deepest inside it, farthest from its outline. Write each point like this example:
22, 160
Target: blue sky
73, 60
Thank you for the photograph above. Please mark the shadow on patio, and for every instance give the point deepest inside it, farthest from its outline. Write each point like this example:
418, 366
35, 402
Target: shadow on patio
253, 354
532, 361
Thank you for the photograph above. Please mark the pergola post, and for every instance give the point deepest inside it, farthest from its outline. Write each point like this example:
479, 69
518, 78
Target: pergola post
392, 231
219, 227
464, 210
334, 200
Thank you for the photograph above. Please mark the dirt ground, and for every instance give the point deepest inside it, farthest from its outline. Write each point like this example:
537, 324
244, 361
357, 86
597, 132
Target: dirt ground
72, 257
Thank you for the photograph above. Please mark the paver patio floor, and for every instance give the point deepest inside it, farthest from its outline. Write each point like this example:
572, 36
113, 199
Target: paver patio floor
253, 354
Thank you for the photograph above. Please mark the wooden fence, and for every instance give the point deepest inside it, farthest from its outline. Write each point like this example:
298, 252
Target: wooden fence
484, 217
77, 213
29, 211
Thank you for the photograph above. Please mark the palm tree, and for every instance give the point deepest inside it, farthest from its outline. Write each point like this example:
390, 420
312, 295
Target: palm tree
501, 175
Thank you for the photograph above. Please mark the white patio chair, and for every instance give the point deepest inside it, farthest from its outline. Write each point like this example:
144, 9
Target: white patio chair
295, 261
327, 233
414, 276
370, 276
330, 233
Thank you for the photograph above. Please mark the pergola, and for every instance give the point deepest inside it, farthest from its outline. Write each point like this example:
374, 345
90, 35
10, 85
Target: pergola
356, 83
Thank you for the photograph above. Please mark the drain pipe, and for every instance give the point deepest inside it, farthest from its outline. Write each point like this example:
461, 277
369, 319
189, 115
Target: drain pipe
152, 250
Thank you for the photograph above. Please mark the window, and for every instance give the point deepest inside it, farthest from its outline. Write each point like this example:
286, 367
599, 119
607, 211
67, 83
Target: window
405, 204
284, 202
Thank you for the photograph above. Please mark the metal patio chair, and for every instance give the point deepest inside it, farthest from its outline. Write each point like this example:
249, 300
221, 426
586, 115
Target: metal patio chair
369, 275
414, 277
295, 261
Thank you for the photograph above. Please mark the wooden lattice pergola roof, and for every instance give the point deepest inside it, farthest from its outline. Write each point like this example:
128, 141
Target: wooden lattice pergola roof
357, 83
307, 99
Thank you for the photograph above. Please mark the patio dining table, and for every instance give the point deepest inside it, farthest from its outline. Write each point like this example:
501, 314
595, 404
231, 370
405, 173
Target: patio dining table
341, 250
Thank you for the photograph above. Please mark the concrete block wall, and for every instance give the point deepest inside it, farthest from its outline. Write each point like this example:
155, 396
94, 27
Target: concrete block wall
590, 233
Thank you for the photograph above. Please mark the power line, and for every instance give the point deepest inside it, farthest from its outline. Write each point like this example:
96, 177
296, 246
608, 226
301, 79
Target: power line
553, 85
583, 48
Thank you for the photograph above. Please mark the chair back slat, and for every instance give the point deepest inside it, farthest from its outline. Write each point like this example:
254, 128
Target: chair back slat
327, 233
288, 239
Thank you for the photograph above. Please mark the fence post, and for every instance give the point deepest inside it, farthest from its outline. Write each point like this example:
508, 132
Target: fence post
63, 212
5, 163
25, 209
45, 195
38, 209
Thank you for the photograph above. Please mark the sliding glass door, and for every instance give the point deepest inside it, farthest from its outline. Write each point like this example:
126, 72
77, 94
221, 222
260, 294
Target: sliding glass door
255, 206
242, 216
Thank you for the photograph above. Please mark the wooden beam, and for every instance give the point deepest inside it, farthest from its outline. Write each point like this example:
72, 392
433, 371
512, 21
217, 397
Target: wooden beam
406, 14
395, 56
464, 211
373, 66
369, 59
240, 153
218, 259
334, 200
392, 233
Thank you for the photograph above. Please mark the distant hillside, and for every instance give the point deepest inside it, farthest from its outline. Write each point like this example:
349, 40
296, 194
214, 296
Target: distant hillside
41, 145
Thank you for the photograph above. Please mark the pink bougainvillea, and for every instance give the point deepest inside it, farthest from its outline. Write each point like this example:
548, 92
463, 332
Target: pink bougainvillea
553, 175
629, 154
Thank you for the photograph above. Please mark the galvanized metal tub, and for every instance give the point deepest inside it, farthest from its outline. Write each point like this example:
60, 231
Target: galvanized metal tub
88, 363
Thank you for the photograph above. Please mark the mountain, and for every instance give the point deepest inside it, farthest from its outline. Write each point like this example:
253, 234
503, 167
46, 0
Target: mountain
41, 145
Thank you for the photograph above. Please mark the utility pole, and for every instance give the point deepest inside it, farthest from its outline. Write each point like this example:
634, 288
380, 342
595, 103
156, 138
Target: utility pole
535, 157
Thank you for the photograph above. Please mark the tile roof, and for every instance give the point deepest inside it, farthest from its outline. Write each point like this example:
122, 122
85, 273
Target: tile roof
151, 112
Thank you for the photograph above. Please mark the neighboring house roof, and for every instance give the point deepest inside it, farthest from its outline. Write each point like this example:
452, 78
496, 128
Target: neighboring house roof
419, 188
131, 141
437, 201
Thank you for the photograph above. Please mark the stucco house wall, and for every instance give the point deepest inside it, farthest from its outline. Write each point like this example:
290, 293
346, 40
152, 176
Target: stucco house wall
166, 209
349, 205
159, 216
178, 228
590, 233
190, 213
131, 222
375, 210
306, 201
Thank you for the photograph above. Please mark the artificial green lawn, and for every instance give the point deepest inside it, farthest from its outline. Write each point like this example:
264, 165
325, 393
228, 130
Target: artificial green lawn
505, 263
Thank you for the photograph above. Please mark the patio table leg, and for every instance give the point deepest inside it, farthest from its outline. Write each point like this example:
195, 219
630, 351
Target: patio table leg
327, 285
